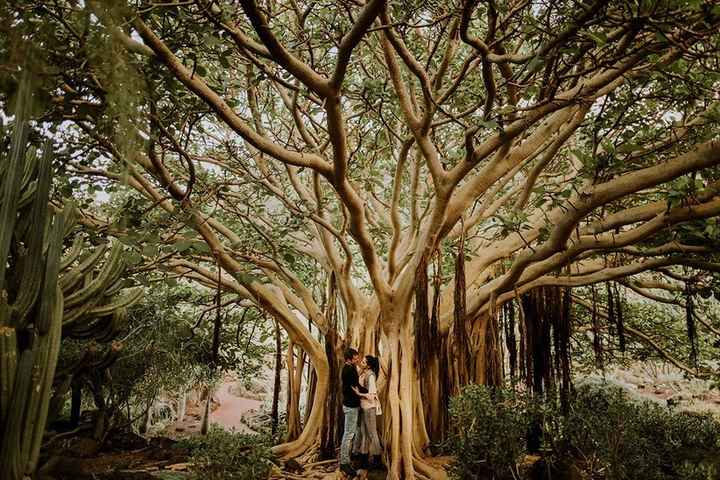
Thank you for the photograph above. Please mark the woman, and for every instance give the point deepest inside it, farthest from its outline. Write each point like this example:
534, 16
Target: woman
368, 443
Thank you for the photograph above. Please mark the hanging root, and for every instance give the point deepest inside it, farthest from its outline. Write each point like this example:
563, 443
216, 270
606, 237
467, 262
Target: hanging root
510, 340
690, 321
493, 355
597, 337
545, 330
423, 340
612, 321
619, 307
461, 338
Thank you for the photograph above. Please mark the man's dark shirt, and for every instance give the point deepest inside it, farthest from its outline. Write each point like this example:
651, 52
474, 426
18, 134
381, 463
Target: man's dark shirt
351, 379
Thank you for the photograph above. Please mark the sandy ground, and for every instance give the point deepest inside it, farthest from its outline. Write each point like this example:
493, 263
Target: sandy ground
230, 406
662, 384
231, 409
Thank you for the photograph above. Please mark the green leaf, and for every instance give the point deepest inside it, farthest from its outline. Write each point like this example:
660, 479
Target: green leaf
133, 258
150, 250
200, 247
245, 278
536, 64
492, 124
182, 245
599, 38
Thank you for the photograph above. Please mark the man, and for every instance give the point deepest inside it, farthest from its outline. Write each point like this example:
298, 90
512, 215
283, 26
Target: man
351, 408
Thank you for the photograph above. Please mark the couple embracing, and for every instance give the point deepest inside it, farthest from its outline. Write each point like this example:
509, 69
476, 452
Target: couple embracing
361, 407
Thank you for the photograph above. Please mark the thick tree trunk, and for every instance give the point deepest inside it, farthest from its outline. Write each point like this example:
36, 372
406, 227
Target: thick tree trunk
406, 437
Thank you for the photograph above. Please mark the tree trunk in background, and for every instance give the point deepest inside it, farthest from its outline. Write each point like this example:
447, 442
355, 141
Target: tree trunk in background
205, 426
75, 404
294, 374
182, 406
276, 384
310, 394
308, 441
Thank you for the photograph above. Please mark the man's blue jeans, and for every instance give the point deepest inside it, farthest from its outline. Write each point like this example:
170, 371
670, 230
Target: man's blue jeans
351, 420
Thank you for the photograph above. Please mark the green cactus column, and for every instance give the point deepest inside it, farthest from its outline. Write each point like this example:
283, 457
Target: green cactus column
44, 297
31, 300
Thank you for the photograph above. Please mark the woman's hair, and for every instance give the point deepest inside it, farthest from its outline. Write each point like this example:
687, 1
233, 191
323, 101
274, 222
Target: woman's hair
374, 364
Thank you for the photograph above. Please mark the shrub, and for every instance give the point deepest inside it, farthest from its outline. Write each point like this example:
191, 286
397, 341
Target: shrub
490, 425
605, 430
605, 434
223, 455
618, 438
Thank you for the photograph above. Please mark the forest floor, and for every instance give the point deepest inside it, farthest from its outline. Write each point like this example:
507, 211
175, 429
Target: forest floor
129, 458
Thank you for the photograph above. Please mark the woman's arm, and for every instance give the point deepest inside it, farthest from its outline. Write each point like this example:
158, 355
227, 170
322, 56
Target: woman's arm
372, 387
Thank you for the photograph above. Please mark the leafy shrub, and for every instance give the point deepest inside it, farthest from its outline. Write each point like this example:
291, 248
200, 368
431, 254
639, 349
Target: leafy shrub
223, 455
605, 434
605, 429
619, 438
490, 427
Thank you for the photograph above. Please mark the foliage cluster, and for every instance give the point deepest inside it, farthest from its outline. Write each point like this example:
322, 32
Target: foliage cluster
223, 455
490, 426
604, 434
166, 349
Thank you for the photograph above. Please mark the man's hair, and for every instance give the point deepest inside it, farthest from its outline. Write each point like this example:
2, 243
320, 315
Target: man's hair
350, 353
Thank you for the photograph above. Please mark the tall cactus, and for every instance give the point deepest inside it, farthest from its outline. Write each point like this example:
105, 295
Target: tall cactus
43, 296
30, 300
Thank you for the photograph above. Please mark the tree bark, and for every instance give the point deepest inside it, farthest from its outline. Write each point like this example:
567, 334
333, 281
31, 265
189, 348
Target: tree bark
293, 393
276, 384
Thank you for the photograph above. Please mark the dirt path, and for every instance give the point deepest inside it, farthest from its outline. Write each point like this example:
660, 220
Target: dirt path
227, 412
231, 409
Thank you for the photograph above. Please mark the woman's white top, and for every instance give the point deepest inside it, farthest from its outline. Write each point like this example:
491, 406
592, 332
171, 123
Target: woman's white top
371, 401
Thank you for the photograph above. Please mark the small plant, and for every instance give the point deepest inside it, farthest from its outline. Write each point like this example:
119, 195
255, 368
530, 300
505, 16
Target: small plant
490, 429
223, 455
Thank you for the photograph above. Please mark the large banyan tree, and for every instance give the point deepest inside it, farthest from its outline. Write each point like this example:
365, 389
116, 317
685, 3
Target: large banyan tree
398, 176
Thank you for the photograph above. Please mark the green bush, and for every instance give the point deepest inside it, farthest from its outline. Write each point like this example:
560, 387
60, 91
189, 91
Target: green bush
223, 455
605, 434
490, 426
618, 438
